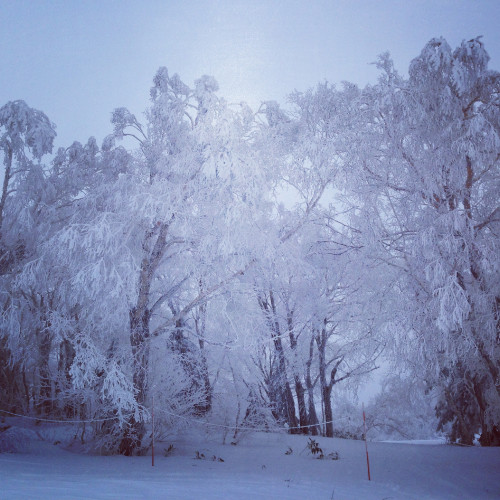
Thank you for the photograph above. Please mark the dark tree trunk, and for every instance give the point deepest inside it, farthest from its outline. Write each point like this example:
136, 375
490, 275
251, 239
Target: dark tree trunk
490, 435
140, 316
299, 388
66, 356
326, 385
327, 402
314, 428
301, 402
313, 417
291, 418
8, 154
12, 382
325, 394
280, 387
200, 322
45, 380
461, 430
139, 328
206, 406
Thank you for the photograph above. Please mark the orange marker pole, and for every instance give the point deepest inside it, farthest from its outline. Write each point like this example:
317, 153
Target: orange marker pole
366, 444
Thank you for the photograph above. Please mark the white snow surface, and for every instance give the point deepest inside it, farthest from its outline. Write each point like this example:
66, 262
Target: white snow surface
256, 468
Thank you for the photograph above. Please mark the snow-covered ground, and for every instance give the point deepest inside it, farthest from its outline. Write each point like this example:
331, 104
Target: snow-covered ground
257, 468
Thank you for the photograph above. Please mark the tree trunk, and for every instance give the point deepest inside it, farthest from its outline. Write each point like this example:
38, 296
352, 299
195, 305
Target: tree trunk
326, 385
139, 333
313, 428
313, 417
6, 179
299, 388
462, 430
207, 387
66, 356
285, 404
200, 322
326, 392
140, 316
301, 403
45, 380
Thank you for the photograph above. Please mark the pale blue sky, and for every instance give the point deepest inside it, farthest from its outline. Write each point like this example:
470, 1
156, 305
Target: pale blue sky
78, 60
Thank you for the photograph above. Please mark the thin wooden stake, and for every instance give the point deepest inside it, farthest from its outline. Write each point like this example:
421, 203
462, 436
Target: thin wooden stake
366, 444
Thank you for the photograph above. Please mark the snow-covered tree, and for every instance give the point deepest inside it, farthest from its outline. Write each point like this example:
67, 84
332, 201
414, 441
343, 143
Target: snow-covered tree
241, 265
26, 135
153, 242
430, 162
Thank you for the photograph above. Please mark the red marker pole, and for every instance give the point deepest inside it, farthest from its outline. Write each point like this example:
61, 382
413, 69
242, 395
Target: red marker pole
366, 444
153, 432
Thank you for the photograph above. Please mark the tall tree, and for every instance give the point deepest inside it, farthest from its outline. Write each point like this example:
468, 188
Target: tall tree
430, 161
26, 135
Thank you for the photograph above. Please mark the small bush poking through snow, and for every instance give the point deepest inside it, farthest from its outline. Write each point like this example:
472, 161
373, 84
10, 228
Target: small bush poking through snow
201, 456
316, 451
168, 451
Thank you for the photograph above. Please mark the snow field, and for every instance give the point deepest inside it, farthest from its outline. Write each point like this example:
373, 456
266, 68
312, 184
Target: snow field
257, 468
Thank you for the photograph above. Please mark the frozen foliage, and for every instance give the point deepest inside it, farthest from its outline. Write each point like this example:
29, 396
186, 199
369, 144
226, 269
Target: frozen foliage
24, 127
433, 157
402, 410
241, 268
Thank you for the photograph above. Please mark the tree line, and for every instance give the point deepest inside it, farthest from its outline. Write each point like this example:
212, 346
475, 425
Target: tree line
240, 265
